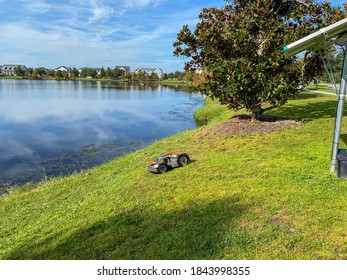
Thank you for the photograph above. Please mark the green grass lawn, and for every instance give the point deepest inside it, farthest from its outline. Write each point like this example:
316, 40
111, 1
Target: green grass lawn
256, 197
323, 88
11, 77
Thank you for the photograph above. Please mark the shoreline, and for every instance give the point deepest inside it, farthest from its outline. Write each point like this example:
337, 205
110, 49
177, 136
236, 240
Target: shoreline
163, 82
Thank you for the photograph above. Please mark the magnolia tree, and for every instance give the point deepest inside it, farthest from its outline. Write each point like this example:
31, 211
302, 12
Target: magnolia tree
238, 49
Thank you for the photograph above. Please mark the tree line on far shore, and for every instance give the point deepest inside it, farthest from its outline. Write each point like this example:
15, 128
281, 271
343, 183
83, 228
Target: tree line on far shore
93, 73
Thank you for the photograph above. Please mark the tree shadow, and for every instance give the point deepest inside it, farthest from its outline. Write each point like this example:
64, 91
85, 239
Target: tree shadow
190, 232
343, 137
308, 111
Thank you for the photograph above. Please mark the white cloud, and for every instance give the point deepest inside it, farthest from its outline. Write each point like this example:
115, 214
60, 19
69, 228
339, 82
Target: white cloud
130, 4
37, 6
99, 11
95, 33
72, 47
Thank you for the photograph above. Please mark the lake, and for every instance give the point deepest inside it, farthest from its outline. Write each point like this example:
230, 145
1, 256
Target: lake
54, 128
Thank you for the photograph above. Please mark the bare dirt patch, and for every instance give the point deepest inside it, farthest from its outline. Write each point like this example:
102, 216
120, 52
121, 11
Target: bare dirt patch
245, 125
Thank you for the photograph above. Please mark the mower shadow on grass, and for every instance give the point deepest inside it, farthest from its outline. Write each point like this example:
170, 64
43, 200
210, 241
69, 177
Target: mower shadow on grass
169, 169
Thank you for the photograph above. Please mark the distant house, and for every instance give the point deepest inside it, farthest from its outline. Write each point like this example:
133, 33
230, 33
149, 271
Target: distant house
126, 69
64, 69
148, 71
10, 69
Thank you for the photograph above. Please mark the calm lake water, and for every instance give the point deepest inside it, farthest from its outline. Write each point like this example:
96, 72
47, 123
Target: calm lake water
53, 128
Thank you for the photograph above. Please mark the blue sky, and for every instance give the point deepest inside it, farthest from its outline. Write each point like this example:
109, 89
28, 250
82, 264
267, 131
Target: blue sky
95, 33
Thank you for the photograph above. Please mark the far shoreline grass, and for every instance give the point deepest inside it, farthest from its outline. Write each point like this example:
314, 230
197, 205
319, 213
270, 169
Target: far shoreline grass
256, 197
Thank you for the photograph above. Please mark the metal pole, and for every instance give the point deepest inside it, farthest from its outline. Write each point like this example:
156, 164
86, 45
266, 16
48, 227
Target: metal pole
339, 115
330, 73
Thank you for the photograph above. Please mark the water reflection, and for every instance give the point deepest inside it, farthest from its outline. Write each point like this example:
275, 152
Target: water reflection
51, 128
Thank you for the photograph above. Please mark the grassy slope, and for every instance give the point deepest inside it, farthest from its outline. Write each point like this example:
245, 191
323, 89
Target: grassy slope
255, 197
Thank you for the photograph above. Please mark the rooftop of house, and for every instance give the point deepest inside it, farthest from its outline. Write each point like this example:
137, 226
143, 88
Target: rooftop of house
148, 69
66, 67
127, 68
12, 65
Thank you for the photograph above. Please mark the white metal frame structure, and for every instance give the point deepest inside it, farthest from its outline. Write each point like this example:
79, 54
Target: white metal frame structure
333, 34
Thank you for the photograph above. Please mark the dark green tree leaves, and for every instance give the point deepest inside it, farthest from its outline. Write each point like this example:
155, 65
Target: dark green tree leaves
238, 50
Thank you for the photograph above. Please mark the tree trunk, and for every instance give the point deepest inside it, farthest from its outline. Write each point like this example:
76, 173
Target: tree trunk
257, 112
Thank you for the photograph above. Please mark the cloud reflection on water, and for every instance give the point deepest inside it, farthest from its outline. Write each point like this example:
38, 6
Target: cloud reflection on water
44, 124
